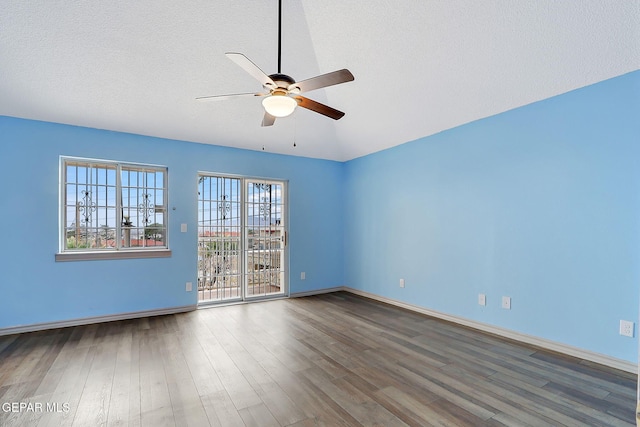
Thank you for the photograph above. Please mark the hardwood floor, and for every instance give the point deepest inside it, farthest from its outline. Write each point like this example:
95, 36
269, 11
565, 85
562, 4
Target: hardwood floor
334, 359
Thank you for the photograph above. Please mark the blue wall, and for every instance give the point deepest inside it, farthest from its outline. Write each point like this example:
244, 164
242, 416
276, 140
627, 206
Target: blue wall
541, 203
36, 289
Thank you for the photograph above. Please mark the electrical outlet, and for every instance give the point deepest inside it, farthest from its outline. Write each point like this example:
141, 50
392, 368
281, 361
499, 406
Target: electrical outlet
303, 275
482, 299
188, 286
402, 283
626, 328
506, 303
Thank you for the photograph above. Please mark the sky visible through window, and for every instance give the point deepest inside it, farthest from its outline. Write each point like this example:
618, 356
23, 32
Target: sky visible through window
96, 204
264, 201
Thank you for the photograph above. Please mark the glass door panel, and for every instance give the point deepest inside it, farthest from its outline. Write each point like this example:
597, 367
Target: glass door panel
265, 238
219, 239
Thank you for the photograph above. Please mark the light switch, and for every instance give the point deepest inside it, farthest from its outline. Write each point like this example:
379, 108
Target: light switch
183, 228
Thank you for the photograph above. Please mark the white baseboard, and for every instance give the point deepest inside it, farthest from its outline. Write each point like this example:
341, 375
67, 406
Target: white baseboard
602, 359
98, 319
318, 292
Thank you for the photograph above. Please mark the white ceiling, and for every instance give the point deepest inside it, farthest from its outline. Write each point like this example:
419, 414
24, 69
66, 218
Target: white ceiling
420, 66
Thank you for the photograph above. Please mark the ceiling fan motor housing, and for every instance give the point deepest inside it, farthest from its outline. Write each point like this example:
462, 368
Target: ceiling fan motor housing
282, 80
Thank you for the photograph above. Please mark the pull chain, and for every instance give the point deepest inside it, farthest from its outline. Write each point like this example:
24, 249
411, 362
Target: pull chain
295, 128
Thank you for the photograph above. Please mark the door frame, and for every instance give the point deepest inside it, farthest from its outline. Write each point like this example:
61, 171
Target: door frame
244, 180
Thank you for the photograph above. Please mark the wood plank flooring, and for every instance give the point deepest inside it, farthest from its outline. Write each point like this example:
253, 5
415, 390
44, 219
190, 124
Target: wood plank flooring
329, 360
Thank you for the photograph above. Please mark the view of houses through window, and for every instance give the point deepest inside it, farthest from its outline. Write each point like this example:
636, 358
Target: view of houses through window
110, 205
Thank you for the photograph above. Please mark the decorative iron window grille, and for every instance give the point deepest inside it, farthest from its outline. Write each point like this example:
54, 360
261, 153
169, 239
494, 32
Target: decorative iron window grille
109, 206
219, 238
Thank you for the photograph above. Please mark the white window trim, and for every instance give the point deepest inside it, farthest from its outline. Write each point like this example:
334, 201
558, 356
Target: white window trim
114, 254
111, 253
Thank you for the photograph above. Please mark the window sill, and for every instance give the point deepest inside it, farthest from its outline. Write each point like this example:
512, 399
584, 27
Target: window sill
96, 256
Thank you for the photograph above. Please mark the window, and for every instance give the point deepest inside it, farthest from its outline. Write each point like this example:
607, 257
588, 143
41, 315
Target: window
112, 208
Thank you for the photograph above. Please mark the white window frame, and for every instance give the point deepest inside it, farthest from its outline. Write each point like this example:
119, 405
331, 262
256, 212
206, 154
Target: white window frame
118, 251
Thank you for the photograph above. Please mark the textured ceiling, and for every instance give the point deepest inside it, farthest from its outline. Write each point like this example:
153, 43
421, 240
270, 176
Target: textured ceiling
420, 66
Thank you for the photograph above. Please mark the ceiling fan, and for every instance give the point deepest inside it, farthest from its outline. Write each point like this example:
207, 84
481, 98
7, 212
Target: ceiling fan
283, 92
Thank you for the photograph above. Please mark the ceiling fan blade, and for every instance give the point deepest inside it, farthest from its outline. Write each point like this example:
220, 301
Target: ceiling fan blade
268, 120
251, 68
312, 105
324, 80
225, 97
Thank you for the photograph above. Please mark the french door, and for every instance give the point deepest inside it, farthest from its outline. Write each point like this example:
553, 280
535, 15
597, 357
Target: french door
241, 239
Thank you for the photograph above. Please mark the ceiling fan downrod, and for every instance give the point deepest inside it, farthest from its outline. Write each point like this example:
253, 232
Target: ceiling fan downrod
279, 36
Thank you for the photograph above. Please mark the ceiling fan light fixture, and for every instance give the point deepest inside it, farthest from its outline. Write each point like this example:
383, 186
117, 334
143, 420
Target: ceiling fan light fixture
278, 104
